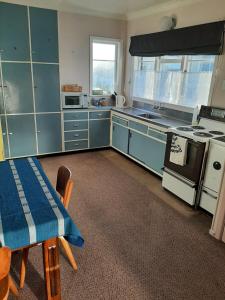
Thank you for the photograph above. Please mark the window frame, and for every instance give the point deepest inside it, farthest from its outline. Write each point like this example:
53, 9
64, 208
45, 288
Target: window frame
183, 68
118, 60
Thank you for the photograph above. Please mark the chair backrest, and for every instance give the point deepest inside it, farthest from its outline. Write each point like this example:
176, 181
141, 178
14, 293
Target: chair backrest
5, 259
64, 185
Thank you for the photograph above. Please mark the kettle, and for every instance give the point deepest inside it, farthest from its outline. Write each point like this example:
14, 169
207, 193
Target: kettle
120, 101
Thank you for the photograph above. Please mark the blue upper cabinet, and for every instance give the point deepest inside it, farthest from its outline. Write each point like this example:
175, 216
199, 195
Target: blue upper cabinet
44, 35
18, 93
14, 33
46, 87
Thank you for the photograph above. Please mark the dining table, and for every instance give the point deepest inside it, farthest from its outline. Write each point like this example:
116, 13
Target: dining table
32, 213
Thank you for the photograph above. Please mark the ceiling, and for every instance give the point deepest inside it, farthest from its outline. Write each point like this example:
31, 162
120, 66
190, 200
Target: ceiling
121, 9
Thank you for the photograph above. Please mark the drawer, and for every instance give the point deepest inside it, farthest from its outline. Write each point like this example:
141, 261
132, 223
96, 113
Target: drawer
77, 115
75, 125
99, 115
157, 134
119, 120
138, 126
76, 135
76, 145
208, 202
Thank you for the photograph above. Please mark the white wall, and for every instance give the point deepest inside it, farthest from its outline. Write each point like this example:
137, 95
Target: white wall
196, 13
74, 33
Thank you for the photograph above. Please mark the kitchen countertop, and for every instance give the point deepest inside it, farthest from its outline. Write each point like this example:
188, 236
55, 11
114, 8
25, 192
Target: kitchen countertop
163, 121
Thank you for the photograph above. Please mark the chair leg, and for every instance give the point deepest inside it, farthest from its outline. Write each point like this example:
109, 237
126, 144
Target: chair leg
69, 253
12, 286
23, 266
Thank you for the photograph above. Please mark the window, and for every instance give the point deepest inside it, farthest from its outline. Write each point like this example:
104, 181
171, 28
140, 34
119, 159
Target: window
104, 67
180, 80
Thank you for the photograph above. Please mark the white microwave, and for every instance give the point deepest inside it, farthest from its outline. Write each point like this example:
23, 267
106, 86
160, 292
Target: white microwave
74, 100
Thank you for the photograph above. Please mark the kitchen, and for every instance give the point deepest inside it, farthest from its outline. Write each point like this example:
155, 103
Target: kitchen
136, 112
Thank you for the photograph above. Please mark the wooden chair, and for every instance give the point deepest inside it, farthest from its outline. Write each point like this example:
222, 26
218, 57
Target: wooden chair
6, 282
64, 186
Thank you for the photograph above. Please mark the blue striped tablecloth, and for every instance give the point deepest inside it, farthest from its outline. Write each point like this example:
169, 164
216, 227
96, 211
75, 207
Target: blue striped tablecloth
30, 209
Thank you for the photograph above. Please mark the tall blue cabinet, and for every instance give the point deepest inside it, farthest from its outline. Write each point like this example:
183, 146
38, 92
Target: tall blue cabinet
29, 86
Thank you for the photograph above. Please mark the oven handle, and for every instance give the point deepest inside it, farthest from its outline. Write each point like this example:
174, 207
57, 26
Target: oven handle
192, 185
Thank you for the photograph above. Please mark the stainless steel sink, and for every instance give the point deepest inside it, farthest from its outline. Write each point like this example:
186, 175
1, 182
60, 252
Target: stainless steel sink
149, 116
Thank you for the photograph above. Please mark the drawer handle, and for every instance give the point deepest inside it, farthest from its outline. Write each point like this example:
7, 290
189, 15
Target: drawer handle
99, 114
75, 135
76, 144
10, 133
75, 125
38, 131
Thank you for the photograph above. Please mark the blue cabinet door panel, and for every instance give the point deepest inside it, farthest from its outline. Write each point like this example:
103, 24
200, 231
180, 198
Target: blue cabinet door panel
99, 133
147, 150
21, 130
46, 87
44, 35
4, 136
2, 108
120, 137
49, 133
17, 88
14, 34
99, 115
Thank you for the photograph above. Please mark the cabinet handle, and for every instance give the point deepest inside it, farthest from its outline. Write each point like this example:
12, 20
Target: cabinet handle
76, 144
35, 87
75, 125
99, 114
38, 131
75, 135
10, 133
3, 133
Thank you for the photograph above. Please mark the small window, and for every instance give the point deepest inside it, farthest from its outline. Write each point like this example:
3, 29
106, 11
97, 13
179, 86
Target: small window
104, 66
180, 80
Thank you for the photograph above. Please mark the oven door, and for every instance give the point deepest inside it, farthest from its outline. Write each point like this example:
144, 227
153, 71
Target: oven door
195, 154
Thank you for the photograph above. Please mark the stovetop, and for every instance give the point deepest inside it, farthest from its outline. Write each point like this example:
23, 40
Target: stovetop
203, 132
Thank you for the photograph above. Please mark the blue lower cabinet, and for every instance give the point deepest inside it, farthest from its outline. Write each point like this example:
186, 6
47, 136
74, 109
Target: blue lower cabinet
17, 88
21, 131
147, 150
49, 133
4, 136
46, 87
2, 109
120, 136
99, 133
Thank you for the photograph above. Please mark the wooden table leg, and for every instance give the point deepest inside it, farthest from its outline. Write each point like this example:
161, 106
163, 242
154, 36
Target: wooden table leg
50, 249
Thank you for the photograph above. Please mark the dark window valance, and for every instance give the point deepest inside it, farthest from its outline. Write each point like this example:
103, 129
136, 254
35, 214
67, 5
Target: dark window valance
200, 39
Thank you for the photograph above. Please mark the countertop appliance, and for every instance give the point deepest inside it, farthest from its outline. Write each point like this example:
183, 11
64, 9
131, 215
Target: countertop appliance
74, 100
186, 181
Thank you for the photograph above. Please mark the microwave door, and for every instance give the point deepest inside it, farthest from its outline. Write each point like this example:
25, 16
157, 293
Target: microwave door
72, 101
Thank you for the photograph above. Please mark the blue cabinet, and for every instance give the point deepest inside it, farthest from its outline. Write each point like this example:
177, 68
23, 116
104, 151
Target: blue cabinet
99, 133
17, 88
147, 150
44, 35
4, 136
46, 87
49, 133
120, 137
21, 131
14, 33
2, 109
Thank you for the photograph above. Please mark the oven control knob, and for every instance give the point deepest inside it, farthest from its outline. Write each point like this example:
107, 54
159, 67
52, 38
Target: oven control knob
217, 165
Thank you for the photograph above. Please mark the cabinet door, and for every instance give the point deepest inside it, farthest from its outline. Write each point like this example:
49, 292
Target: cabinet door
14, 34
21, 132
120, 136
44, 35
147, 150
46, 87
4, 136
99, 133
2, 109
49, 133
17, 88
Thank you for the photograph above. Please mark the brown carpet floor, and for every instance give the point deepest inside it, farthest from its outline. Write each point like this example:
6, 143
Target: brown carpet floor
140, 241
